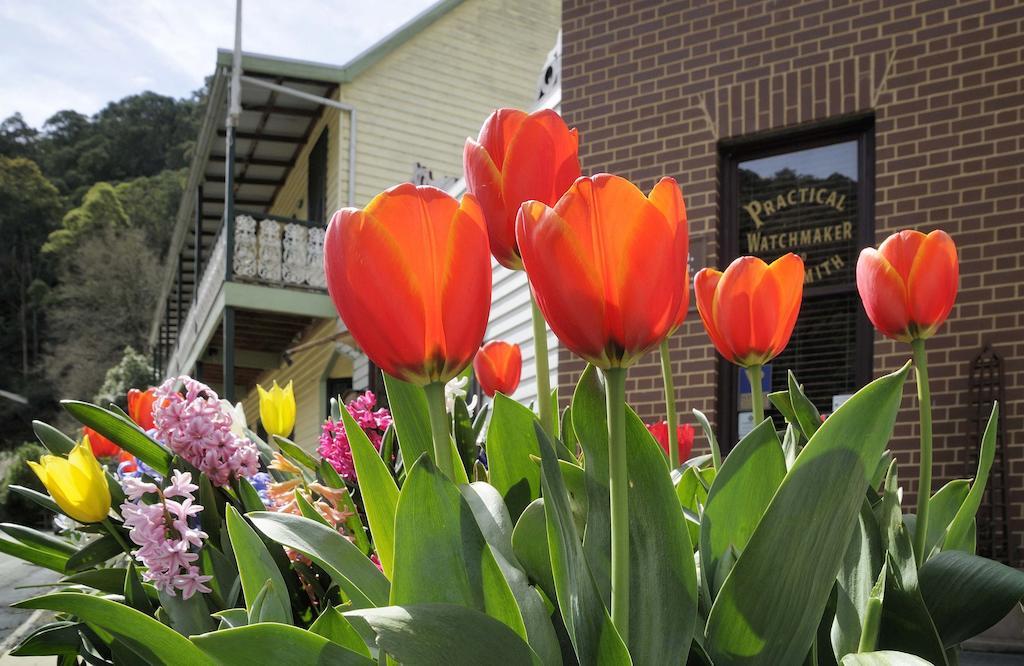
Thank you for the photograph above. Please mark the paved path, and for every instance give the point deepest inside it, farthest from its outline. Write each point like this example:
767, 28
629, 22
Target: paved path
15, 578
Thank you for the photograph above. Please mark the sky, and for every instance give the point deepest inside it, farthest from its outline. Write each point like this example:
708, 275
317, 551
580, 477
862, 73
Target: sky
82, 54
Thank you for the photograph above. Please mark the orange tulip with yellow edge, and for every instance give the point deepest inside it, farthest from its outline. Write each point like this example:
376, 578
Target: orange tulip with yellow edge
77, 483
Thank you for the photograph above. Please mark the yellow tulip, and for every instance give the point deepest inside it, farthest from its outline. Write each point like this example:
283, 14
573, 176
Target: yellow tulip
277, 409
76, 483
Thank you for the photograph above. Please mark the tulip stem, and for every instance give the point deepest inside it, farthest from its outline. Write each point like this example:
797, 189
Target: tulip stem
671, 416
540, 357
439, 428
117, 536
618, 489
924, 488
757, 398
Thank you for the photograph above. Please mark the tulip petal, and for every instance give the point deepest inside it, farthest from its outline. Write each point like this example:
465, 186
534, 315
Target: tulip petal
668, 198
788, 271
933, 281
541, 161
497, 132
483, 180
884, 294
705, 285
900, 250
734, 307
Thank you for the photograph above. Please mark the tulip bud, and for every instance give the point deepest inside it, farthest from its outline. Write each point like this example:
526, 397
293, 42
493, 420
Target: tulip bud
277, 409
140, 407
498, 366
77, 483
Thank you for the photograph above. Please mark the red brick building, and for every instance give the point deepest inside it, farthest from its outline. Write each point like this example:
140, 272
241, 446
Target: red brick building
820, 128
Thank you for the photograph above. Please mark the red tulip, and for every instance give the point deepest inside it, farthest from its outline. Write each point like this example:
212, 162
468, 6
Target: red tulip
140, 407
410, 275
909, 283
518, 157
497, 367
606, 266
128, 462
750, 309
684, 433
100, 445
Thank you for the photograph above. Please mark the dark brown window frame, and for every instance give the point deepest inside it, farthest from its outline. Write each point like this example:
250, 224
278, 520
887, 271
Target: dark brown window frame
859, 128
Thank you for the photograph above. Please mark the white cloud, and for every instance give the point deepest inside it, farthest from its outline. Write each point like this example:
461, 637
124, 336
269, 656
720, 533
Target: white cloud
80, 55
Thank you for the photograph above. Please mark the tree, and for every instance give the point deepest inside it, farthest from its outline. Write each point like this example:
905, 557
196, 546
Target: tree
101, 209
151, 203
17, 138
132, 371
103, 302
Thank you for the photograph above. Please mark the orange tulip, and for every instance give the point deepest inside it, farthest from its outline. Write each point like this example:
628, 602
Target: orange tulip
497, 367
909, 283
140, 407
518, 157
607, 265
100, 445
750, 309
410, 275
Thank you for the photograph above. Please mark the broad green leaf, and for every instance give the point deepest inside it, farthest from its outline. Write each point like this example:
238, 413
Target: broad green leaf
496, 526
108, 579
333, 626
530, 545
806, 413
39, 498
94, 552
884, 658
795, 553
576, 483
350, 569
408, 406
942, 508
464, 435
54, 440
152, 641
187, 616
705, 425
255, 567
272, 643
589, 421
135, 593
232, 617
967, 594
783, 403
742, 490
959, 534
427, 634
441, 555
510, 443
791, 444
38, 540
293, 451
121, 431
857, 577
693, 495
250, 498
43, 558
594, 637
210, 517
379, 492
55, 638
308, 510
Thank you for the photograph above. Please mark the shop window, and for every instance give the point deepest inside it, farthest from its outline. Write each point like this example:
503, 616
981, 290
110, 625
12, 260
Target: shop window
812, 195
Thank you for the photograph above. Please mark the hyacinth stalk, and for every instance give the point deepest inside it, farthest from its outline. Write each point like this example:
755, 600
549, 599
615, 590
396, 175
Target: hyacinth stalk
439, 431
540, 357
618, 496
924, 490
671, 416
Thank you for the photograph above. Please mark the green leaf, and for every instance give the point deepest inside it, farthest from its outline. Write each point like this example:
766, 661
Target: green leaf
423, 634
187, 616
293, 451
350, 569
440, 554
134, 593
210, 517
54, 440
272, 643
942, 508
43, 558
464, 434
693, 495
95, 552
530, 545
333, 626
594, 637
959, 535
256, 566
38, 540
109, 580
232, 617
796, 551
121, 431
56, 638
884, 658
806, 413
496, 527
379, 492
308, 510
510, 443
147, 637
783, 403
37, 497
408, 406
589, 421
710, 434
857, 576
250, 498
742, 490
966, 594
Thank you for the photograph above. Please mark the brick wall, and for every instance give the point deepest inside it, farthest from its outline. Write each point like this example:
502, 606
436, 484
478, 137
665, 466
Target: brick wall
653, 87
